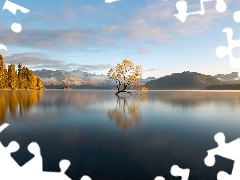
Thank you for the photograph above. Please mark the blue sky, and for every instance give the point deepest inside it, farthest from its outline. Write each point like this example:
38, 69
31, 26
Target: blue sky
93, 36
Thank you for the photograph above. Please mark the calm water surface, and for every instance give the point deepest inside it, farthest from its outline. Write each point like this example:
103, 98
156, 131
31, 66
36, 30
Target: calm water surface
113, 138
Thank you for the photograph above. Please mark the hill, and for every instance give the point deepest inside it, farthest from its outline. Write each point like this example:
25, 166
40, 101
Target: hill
183, 81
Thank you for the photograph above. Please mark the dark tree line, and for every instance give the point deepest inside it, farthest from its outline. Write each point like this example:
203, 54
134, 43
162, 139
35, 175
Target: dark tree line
22, 78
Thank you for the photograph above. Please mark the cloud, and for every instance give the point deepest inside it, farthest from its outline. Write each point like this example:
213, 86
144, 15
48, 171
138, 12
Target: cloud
58, 39
111, 1
41, 61
196, 24
54, 35
151, 69
97, 67
35, 60
143, 50
65, 16
146, 29
157, 23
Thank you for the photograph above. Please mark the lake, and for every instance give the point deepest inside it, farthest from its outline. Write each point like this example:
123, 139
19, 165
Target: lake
106, 137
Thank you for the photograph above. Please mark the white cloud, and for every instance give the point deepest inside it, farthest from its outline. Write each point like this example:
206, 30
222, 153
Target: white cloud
151, 69
41, 61
111, 1
150, 26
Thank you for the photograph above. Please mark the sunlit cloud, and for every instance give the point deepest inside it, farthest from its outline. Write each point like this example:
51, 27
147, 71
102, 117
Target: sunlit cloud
41, 61
147, 28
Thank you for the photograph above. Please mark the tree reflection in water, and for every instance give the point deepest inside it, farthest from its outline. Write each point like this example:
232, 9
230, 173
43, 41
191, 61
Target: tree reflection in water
127, 111
17, 101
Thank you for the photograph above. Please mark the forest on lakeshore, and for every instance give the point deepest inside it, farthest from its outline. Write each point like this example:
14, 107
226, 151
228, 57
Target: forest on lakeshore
22, 78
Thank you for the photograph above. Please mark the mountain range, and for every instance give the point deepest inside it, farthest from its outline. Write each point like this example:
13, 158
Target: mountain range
185, 80
61, 77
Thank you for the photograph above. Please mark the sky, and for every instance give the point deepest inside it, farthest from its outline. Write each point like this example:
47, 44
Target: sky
94, 36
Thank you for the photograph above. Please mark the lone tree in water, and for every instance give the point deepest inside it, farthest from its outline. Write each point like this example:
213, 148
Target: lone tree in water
127, 77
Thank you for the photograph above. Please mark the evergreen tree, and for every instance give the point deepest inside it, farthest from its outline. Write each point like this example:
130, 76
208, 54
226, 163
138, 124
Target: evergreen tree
2, 73
32, 80
39, 84
12, 77
23, 78
5, 78
19, 69
19, 75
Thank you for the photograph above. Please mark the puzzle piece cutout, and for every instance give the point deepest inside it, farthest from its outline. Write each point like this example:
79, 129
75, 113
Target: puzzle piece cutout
236, 16
16, 27
177, 171
85, 178
35, 164
64, 164
12, 7
3, 126
182, 7
7, 163
222, 51
33, 169
227, 150
2, 46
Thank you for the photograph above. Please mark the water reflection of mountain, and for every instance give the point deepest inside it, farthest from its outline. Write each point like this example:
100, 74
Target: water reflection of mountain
17, 102
195, 98
127, 112
74, 98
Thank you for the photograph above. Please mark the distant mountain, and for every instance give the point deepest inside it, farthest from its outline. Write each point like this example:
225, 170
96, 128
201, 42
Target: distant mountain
232, 76
71, 78
229, 78
76, 79
183, 81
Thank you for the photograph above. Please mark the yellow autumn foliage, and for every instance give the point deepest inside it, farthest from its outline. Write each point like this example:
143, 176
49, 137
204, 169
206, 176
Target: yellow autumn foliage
127, 77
